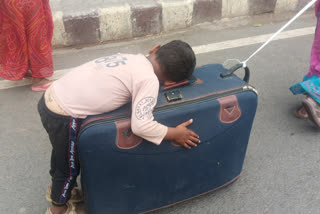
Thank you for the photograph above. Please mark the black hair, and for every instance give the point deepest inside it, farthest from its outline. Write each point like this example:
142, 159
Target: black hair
177, 60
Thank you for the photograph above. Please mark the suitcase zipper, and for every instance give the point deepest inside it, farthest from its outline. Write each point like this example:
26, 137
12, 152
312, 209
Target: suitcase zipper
171, 107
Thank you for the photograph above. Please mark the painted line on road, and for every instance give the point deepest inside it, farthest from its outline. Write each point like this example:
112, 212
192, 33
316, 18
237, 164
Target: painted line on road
251, 40
5, 84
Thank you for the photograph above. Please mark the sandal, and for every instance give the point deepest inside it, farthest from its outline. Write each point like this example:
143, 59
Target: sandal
301, 112
71, 209
313, 110
76, 195
42, 87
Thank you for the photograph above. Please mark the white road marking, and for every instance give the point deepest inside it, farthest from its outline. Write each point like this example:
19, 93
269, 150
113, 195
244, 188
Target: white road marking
5, 84
251, 40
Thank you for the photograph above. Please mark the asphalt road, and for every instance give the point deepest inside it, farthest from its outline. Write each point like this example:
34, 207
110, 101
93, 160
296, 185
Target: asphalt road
281, 171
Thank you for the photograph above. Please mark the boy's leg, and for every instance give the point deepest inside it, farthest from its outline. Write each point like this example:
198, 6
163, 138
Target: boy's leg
62, 131
65, 161
52, 164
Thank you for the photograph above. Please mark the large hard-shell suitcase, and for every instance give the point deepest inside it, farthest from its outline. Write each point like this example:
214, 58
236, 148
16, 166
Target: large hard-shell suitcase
122, 173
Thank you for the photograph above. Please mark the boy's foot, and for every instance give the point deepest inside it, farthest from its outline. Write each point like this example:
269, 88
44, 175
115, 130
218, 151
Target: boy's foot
313, 110
76, 195
68, 209
301, 112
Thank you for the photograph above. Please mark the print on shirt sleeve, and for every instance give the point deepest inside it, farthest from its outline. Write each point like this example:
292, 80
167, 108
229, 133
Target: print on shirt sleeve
112, 61
144, 108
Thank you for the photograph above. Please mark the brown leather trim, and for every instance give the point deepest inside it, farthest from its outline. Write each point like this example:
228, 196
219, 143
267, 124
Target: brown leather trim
229, 109
125, 138
185, 82
226, 184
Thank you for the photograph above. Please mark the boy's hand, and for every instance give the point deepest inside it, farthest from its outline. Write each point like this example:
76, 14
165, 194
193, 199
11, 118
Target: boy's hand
183, 136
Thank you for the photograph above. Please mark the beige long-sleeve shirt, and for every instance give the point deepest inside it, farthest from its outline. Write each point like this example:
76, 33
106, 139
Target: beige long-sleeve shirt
107, 83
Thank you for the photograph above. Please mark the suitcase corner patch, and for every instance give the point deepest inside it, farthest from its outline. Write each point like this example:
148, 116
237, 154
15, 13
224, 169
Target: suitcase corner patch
125, 138
229, 109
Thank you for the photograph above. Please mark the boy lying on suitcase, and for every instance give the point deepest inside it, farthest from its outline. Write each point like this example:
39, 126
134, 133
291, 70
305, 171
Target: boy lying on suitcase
104, 85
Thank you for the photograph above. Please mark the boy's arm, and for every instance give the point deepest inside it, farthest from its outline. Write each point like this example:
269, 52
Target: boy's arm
144, 98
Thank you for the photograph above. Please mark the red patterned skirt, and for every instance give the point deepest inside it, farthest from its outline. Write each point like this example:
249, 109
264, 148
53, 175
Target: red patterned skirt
26, 29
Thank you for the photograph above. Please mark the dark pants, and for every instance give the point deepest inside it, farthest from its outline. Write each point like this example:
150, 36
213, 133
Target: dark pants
62, 131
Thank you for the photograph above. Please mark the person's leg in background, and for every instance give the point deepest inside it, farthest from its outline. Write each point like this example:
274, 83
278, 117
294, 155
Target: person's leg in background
312, 102
13, 41
310, 86
39, 30
25, 41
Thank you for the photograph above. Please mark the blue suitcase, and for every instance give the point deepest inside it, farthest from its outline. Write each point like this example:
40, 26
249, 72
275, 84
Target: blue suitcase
121, 173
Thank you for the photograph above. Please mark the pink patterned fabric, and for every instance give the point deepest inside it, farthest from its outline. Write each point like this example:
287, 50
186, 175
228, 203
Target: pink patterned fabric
315, 51
26, 29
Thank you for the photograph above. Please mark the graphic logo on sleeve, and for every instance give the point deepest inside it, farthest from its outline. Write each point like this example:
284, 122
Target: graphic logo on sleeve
112, 61
144, 108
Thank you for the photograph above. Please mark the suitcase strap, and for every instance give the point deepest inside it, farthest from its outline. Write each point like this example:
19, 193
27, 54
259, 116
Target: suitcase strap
230, 72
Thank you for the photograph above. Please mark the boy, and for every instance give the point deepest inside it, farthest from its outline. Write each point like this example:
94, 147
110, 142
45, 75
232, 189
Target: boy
104, 85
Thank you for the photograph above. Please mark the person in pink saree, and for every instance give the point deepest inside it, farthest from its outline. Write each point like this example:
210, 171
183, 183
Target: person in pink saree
310, 86
26, 29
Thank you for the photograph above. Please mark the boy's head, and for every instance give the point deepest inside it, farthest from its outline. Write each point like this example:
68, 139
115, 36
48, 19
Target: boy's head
176, 61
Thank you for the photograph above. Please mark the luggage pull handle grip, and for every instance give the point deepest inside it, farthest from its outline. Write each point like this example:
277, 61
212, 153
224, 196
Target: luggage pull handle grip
229, 72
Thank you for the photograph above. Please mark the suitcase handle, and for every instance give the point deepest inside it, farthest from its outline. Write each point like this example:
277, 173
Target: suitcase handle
230, 72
